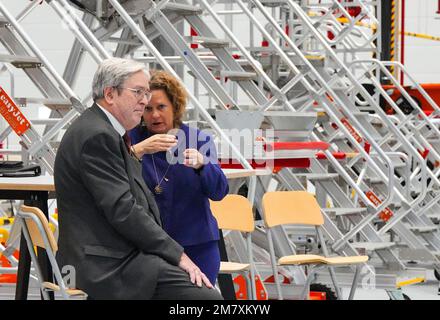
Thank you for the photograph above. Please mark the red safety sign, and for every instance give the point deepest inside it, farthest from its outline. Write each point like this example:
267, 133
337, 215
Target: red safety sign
386, 213
12, 114
352, 130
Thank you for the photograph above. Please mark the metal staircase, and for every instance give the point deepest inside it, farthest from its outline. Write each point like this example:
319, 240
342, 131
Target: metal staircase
348, 90
57, 95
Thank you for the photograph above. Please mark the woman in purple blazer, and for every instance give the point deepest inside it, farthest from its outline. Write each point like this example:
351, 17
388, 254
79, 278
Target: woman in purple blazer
181, 170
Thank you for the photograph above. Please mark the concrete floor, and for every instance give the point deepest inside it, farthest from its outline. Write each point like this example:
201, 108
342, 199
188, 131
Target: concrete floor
422, 291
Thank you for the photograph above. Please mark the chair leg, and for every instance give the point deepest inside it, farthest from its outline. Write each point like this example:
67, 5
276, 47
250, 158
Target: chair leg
34, 259
355, 281
274, 265
252, 270
335, 283
249, 290
306, 290
330, 269
253, 284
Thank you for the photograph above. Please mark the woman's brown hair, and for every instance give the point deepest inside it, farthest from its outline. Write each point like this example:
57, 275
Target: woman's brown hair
175, 91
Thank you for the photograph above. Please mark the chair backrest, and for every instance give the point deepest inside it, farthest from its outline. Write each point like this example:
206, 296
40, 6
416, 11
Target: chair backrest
35, 232
291, 207
234, 212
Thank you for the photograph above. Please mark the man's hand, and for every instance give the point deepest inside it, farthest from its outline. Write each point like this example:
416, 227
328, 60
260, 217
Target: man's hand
196, 276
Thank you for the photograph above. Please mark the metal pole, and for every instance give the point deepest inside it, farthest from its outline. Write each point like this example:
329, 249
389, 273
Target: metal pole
28, 10
402, 40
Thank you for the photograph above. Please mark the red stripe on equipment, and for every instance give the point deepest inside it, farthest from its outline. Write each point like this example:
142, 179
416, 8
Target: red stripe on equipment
193, 33
278, 164
295, 145
367, 147
337, 155
424, 154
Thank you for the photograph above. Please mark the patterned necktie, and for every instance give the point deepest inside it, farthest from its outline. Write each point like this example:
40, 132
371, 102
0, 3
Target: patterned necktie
127, 141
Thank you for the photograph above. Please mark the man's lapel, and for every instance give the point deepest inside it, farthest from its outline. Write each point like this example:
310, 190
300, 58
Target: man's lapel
137, 169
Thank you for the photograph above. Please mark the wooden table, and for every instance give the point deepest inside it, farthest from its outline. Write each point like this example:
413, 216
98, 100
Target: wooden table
244, 173
35, 191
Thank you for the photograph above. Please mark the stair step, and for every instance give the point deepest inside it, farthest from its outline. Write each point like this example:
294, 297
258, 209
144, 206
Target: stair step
55, 144
433, 141
183, 9
238, 75
44, 121
210, 42
343, 211
318, 61
317, 176
374, 180
371, 246
20, 61
124, 41
419, 254
5, 151
291, 121
271, 3
360, 113
395, 205
53, 104
434, 216
3, 21
423, 229
399, 165
338, 137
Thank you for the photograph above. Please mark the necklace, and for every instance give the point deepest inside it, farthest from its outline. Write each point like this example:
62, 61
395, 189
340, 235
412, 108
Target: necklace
158, 189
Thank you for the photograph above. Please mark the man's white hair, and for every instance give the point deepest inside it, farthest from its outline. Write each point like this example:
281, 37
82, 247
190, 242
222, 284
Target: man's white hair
112, 73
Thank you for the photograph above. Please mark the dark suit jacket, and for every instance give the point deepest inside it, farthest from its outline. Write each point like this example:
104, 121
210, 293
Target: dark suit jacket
109, 224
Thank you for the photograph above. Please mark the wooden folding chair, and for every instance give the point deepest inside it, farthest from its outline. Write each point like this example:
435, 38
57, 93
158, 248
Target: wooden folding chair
234, 212
37, 233
301, 207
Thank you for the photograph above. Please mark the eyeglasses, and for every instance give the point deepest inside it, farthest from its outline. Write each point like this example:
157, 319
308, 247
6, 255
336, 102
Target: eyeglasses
140, 93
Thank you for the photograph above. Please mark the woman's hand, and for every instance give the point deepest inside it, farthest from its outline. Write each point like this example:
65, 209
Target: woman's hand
153, 144
193, 158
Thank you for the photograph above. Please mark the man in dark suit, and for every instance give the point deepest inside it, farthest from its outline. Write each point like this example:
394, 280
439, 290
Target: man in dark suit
109, 225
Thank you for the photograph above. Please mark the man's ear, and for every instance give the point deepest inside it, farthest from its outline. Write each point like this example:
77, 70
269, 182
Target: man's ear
109, 94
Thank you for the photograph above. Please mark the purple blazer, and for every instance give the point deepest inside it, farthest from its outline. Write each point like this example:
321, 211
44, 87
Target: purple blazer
184, 201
